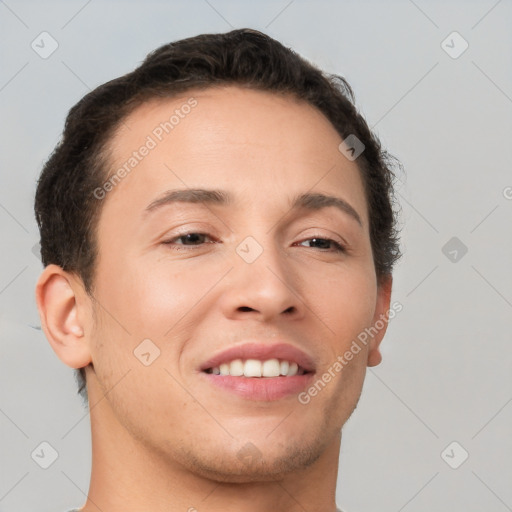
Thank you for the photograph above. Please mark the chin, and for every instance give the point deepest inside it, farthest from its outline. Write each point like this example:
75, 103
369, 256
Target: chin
245, 461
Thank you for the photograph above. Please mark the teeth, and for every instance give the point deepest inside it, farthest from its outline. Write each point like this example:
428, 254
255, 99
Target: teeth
256, 368
252, 368
236, 368
271, 368
293, 370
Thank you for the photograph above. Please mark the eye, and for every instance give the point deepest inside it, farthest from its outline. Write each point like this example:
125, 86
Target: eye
326, 241
193, 237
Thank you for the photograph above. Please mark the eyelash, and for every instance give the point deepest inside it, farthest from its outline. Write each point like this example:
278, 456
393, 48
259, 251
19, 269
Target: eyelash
339, 248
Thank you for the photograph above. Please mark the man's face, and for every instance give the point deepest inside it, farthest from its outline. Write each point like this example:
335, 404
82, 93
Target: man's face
252, 273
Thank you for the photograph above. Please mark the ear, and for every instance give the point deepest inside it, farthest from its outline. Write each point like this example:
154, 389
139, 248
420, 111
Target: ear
380, 319
62, 305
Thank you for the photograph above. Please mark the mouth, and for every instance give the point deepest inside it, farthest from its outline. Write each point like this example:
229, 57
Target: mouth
260, 372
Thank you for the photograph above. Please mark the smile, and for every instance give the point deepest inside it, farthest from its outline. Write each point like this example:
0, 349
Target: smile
257, 368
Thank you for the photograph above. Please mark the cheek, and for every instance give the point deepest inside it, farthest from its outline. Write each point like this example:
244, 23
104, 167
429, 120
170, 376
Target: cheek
346, 302
150, 298
167, 296
141, 395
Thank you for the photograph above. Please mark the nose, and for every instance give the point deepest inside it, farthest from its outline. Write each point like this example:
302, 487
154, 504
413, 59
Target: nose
263, 288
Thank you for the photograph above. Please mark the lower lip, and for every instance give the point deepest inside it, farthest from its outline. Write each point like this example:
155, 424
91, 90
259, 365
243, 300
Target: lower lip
266, 389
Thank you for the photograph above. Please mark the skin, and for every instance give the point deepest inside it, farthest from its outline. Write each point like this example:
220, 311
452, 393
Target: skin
163, 439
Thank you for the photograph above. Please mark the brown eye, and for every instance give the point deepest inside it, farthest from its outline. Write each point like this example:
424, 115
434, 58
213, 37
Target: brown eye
323, 242
191, 239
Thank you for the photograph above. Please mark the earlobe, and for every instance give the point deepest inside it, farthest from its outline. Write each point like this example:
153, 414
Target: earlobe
380, 320
58, 305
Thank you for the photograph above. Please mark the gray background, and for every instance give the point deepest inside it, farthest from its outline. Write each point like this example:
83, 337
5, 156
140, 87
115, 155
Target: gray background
446, 371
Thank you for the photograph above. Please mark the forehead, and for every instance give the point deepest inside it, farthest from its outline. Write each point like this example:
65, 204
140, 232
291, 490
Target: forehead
257, 144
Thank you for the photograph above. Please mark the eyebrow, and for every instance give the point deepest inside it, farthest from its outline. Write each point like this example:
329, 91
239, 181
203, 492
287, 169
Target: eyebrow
309, 201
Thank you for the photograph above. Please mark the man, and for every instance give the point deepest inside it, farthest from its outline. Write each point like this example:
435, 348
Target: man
218, 236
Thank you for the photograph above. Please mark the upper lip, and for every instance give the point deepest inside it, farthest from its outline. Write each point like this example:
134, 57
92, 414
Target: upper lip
262, 352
